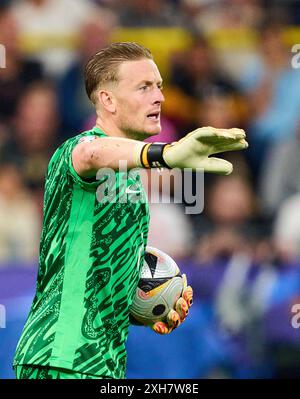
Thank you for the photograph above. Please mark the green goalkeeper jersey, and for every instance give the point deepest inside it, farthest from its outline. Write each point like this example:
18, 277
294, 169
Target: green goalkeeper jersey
91, 252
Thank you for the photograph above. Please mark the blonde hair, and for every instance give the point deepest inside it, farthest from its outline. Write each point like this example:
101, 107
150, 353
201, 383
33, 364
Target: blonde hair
103, 67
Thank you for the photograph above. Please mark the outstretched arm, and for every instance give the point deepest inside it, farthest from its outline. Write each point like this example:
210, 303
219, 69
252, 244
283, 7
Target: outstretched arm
192, 151
105, 152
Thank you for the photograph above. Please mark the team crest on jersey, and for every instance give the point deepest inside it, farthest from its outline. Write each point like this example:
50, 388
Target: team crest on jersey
86, 139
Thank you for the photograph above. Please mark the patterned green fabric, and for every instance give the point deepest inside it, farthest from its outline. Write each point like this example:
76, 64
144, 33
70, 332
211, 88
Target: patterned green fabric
46, 373
90, 257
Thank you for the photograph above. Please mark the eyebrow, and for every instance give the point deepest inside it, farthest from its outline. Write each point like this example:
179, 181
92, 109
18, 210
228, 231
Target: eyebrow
150, 82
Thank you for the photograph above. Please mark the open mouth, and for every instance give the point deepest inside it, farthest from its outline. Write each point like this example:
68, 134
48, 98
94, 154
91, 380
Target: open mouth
154, 116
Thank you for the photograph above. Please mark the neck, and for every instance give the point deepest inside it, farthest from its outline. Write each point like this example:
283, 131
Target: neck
110, 129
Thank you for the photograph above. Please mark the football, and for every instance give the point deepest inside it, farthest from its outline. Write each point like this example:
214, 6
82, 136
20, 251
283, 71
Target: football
159, 287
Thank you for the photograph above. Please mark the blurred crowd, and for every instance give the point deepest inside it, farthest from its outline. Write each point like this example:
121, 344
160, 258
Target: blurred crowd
225, 63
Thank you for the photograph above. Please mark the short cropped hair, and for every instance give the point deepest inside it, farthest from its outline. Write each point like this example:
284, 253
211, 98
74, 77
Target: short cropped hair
103, 67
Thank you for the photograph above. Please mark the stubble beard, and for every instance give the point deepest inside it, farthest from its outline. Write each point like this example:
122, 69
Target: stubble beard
135, 133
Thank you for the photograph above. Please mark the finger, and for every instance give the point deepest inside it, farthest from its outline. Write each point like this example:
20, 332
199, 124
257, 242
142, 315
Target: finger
173, 319
240, 145
182, 308
203, 132
218, 165
161, 328
234, 134
210, 133
187, 295
237, 133
228, 145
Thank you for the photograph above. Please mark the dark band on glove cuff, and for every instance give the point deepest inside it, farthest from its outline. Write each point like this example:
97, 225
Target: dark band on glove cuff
152, 155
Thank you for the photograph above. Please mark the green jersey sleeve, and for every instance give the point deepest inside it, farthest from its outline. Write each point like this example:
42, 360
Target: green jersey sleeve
63, 157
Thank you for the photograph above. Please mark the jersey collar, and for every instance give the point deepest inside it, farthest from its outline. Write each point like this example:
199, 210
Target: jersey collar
97, 130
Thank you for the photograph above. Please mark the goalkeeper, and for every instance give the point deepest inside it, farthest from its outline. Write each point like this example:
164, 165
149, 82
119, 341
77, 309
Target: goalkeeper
91, 252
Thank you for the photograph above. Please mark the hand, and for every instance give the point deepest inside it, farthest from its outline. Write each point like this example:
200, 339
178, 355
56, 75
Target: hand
194, 150
176, 316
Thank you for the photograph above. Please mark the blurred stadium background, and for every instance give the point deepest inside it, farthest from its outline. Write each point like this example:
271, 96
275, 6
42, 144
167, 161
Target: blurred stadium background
225, 63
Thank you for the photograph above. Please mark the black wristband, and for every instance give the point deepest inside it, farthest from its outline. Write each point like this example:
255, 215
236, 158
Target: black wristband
152, 156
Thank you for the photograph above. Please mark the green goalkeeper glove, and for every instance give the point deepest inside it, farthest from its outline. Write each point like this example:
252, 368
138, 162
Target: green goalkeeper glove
195, 149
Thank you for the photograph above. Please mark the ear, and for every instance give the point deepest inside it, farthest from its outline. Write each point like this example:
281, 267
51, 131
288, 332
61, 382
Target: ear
107, 101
